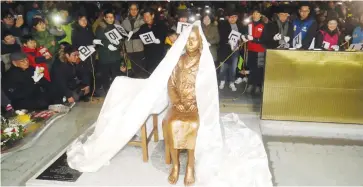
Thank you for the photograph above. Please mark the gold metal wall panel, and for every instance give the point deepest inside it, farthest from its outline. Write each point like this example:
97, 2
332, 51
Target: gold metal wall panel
317, 86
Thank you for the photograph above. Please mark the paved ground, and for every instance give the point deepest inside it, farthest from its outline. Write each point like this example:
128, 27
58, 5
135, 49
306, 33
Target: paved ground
293, 160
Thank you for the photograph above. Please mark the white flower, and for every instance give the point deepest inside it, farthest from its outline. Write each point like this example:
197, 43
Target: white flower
8, 130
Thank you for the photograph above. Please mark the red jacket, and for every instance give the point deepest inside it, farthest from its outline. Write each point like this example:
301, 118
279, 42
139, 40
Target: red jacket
257, 30
36, 59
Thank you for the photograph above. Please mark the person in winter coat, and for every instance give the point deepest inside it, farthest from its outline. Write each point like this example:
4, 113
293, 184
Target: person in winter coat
257, 37
304, 25
170, 39
71, 82
212, 35
135, 47
280, 31
8, 43
37, 57
227, 71
154, 52
329, 37
358, 32
109, 54
45, 39
8, 23
82, 35
24, 89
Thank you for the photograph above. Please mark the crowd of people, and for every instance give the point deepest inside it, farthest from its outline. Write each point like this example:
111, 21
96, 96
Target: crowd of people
41, 40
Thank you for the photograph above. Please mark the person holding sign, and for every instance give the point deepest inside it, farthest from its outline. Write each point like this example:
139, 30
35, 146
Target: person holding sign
134, 46
306, 26
329, 37
154, 43
109, 52
228, 33
281, 30
71, 82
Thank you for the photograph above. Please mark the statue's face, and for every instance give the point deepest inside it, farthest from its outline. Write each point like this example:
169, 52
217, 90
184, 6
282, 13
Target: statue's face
194, 41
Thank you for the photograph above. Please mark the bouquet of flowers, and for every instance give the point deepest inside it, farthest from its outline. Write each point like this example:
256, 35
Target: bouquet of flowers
11, 131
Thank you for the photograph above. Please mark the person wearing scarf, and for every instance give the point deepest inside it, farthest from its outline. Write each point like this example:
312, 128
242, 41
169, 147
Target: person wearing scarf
281, 29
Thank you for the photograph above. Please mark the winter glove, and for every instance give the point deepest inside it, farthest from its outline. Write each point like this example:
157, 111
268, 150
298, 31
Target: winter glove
97, 42
112, 48
287, 39
335, 47
157, 41
298, 46
347, 38
249, 37
277, 37
115, 42
243, 37
38, 74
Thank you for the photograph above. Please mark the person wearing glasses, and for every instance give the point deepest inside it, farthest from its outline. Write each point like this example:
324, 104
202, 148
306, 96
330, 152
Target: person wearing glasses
12, 24
305, 25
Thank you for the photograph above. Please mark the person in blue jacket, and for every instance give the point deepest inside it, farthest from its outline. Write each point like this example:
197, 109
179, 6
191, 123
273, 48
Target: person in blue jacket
306, 25
358, 32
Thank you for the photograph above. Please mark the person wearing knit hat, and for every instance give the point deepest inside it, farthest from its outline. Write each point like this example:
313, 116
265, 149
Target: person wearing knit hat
280, 29
329, 37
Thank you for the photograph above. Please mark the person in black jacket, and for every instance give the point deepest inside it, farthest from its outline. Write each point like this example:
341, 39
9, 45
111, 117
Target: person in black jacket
279, 30
110, 59
8, 43
11, 24
228, 69
82, 35
154, 52
70, 80
24, 88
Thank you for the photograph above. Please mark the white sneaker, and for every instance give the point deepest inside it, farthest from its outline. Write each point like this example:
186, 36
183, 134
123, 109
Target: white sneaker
233, 87
221, 85
245, 79
239, 80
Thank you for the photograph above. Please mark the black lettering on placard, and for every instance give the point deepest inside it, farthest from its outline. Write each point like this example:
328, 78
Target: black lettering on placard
85, 51
183, 26
112, 35
147, 37
234, 37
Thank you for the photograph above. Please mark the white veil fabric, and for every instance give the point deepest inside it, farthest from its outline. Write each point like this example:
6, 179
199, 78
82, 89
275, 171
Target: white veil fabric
238, 159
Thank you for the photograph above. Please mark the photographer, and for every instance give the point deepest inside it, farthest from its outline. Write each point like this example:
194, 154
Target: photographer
70, 79
8, 23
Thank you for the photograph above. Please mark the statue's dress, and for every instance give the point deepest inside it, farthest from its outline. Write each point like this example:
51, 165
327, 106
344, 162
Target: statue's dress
183, 125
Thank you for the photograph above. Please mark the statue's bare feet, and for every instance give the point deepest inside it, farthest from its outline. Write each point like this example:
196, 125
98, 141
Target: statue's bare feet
174, 174
189, 176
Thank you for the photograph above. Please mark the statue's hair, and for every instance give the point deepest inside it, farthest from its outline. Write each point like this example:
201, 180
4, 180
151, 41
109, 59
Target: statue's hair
196, 29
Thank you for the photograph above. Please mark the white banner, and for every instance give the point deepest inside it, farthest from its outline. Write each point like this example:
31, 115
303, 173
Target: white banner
181, 27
